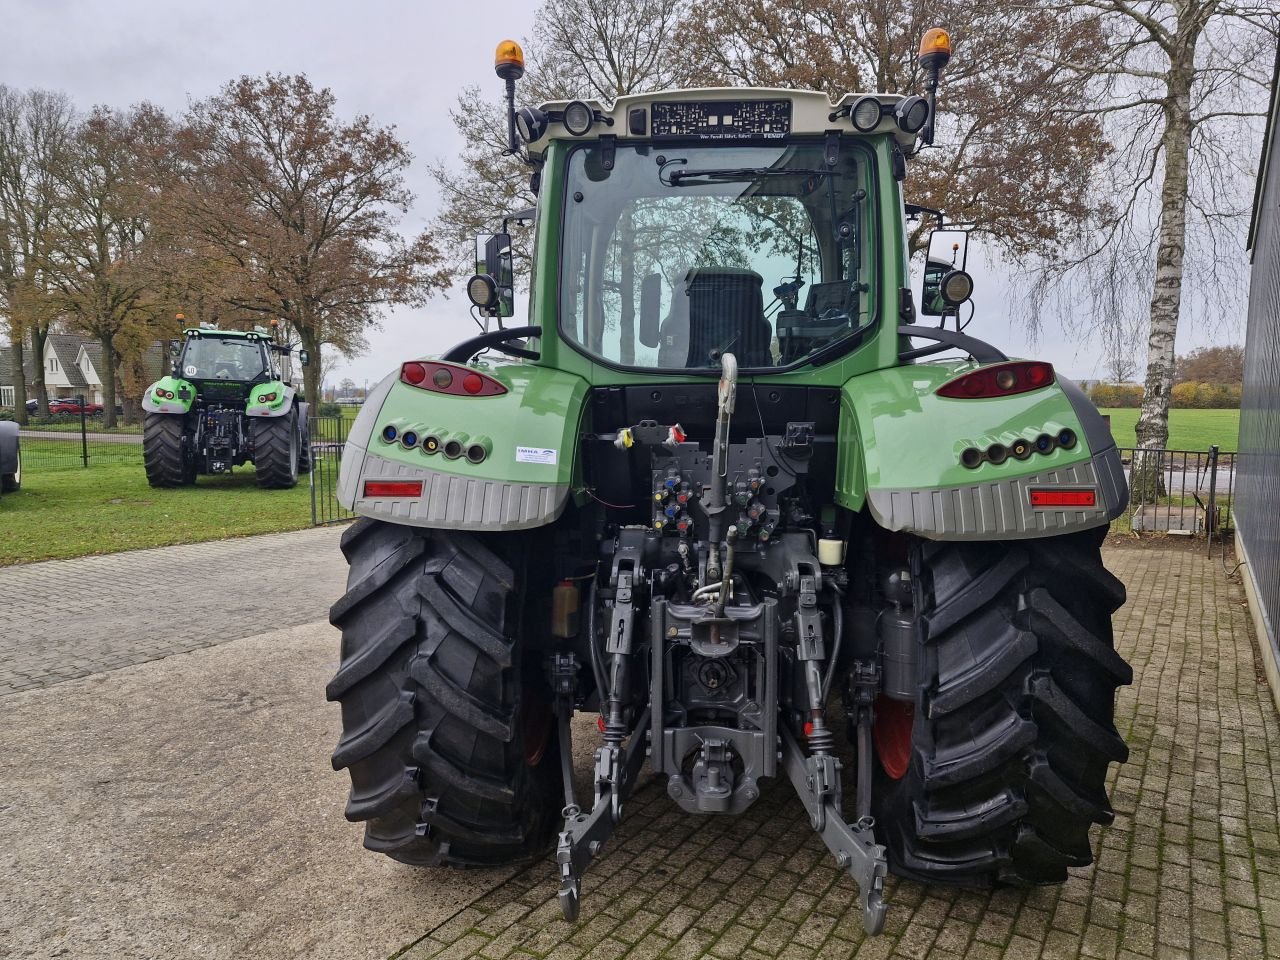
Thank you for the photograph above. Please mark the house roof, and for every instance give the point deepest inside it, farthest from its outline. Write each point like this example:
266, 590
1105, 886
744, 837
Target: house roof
66, 348
94, 349
6, 367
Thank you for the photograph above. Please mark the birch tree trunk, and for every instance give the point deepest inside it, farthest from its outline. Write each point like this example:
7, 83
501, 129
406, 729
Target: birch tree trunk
1145, 482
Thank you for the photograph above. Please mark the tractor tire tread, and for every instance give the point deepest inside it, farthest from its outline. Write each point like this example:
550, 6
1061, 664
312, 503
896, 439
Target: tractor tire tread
430, 687
1015, 729
162, 450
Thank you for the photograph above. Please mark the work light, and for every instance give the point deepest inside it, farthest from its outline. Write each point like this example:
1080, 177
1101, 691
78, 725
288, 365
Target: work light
531, 124
578, 118
865, 114
911, 114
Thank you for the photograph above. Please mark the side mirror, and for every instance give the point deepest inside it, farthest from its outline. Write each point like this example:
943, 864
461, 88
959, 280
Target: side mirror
304, 358
492, 289
650, 308
946, 284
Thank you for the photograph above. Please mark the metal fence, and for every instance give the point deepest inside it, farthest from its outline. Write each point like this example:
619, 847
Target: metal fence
328, 435
1179, 492
77, 442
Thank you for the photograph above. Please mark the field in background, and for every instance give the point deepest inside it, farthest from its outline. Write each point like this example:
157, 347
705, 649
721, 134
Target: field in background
1188, 429
72, 512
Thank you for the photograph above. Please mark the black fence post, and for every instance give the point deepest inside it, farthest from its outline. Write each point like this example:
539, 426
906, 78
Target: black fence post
1212, 519
84, 436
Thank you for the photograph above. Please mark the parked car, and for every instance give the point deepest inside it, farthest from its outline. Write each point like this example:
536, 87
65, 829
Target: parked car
33, 405
73, 406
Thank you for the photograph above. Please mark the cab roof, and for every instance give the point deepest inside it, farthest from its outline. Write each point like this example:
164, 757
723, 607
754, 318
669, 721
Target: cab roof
812, 113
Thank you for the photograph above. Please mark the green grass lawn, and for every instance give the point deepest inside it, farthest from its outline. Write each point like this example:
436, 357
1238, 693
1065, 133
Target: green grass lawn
1188, 429
71, 512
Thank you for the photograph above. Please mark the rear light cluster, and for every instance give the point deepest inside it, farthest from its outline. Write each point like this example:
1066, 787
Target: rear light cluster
267, 398
1000, 380
165, 394
1020, 449
455, 447
449, 378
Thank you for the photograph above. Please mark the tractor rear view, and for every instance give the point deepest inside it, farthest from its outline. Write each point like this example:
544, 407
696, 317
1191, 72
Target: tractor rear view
797, 536
230, 400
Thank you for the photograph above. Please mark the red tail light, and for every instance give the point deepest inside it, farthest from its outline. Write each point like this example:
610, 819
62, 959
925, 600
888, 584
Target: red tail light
1064, 498
393, 488
449, 378
999, 380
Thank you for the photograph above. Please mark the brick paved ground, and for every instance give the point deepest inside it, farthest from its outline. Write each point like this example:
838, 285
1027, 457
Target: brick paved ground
1190, 868
72, 618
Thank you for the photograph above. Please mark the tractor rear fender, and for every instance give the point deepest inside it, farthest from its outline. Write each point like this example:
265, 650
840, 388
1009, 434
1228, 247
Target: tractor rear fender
497, 462
901, 450
169, 395
272, 399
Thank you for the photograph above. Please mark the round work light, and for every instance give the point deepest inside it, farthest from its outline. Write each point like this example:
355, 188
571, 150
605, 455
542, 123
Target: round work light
911, 114
578, 118
865, 114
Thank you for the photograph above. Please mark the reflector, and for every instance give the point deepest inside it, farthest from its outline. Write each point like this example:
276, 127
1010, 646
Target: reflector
393, 488
1064, 498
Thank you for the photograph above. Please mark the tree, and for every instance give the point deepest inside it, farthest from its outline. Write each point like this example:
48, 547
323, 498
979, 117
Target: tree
1176, 88
601, 49
994, 103
1216, 365
34, 130
94, 263
304, 208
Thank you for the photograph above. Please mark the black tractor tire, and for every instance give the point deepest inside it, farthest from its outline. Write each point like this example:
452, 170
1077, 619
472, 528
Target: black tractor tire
164, 454
1012, 732
12, 482
304, 439
447, 731
277, 451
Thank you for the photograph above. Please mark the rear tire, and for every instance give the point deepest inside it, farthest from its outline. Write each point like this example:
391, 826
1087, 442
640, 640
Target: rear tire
12, 482
164, 452
447, 734
1012, 731
277, 451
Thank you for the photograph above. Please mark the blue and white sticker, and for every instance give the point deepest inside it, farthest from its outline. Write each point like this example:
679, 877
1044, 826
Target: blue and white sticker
545, 455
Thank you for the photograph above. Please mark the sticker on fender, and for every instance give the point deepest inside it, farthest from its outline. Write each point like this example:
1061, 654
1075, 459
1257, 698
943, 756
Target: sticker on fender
545, 455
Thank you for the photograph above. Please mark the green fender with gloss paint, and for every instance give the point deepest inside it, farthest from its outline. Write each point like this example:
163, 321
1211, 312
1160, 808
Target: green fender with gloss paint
184, 395
896, 433
531, 430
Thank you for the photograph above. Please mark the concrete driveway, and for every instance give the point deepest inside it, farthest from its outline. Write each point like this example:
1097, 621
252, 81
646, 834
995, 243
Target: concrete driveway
176, 800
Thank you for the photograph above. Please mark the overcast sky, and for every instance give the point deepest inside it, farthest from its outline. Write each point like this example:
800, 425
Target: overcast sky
403, 63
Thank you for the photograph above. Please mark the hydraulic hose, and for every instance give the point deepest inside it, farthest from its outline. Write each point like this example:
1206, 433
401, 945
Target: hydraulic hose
838, 624
592, 640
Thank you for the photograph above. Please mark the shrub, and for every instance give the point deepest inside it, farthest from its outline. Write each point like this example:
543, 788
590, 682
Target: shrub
1116, 395
6, 413
328, 410
1207, 396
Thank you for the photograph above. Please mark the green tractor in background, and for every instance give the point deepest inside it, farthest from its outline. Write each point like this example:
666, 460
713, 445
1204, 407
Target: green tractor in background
230, 399
763, 537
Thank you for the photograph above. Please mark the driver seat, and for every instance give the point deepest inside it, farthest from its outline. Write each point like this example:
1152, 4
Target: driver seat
716, 310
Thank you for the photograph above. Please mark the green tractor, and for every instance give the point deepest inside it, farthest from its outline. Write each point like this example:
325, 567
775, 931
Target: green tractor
230, 399
762, 537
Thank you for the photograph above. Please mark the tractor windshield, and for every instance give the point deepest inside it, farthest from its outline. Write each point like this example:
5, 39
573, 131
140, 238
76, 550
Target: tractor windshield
224, 358
677, 254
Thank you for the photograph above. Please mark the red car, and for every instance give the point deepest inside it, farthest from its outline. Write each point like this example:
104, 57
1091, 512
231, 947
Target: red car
73, 406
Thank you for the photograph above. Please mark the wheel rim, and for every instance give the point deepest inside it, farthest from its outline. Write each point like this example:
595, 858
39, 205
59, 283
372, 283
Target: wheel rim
892, 735
536, 716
